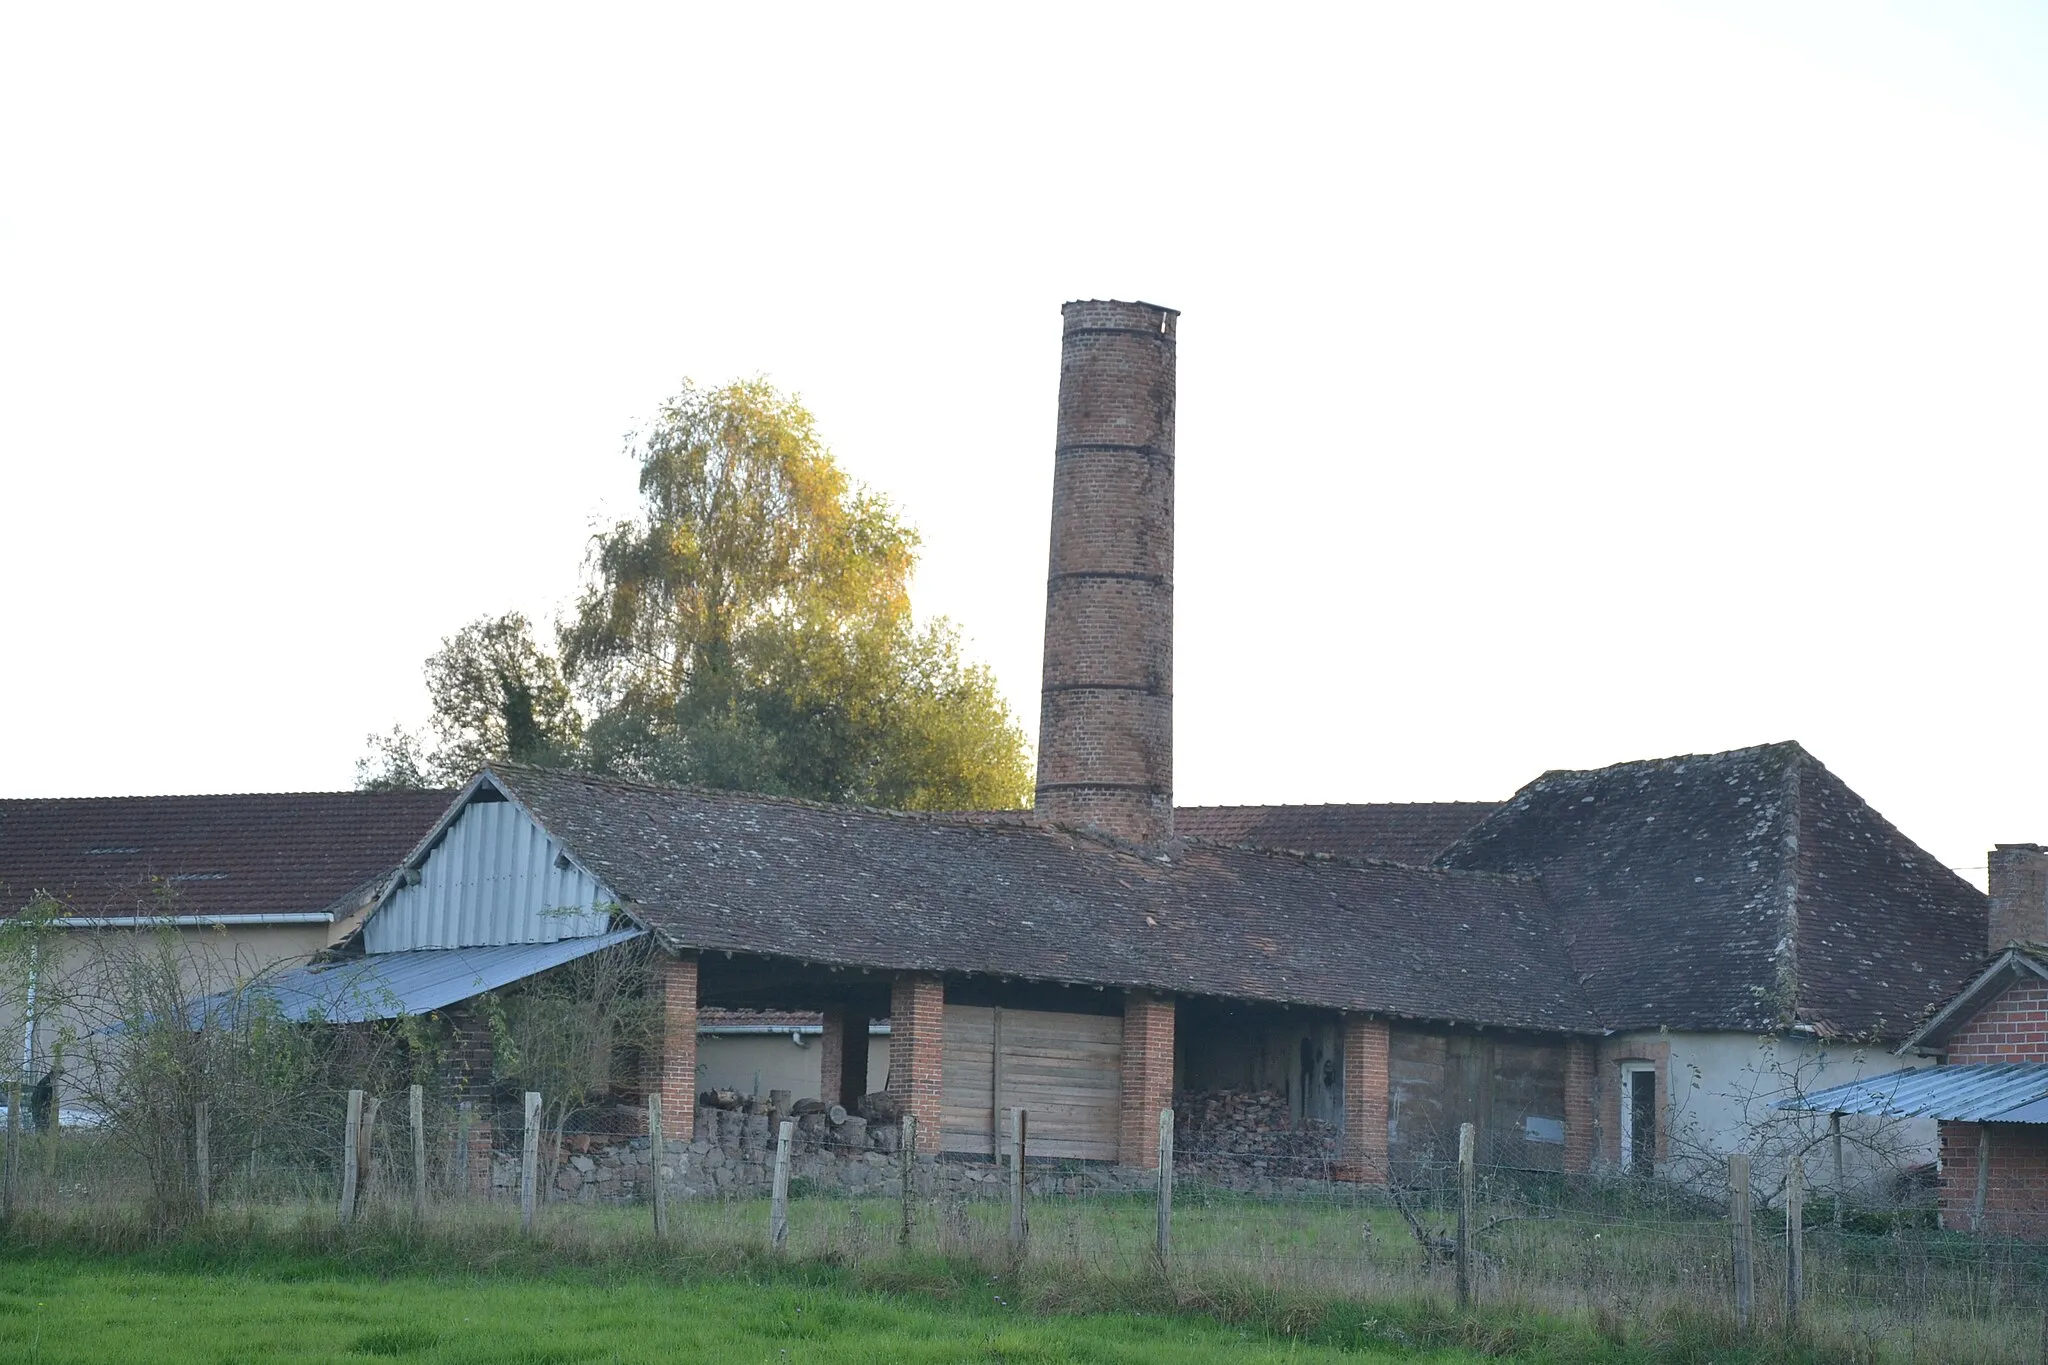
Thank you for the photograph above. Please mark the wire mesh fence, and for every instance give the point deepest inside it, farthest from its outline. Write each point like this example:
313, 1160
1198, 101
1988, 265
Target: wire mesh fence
1876, 1280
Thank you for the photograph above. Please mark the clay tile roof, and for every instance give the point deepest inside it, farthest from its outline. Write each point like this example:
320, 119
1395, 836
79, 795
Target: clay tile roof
1412, 832
1743, 890
294, 853
717, 871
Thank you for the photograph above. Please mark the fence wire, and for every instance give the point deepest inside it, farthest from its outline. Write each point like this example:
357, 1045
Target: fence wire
1879, 1279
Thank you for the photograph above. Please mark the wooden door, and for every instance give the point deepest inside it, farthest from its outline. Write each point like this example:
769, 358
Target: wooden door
1066, 1069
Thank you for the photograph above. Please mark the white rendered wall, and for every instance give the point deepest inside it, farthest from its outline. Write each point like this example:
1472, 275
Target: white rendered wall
1720, 1098
756, 1063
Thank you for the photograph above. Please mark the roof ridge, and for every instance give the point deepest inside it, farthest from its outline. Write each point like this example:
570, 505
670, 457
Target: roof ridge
442, 792
1342, 860
960, 819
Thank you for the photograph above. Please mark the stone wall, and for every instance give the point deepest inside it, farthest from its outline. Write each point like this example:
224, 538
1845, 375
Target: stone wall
732, 1156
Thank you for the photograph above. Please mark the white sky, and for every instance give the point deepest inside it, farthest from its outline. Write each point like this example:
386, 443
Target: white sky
1560, 384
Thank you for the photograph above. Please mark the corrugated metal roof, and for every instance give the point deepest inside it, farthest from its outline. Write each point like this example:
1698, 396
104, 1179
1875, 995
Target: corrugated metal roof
387, 985
493, 877
2000, 1092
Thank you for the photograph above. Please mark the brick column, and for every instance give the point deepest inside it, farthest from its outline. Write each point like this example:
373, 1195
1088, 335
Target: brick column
1581, 1126
466, 1065
1147, 1077
675, 1063
1366, 1043
832, 1055
917, 1052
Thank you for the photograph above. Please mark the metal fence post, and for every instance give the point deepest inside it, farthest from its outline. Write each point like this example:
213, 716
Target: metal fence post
529, 1160
1165, 1246
1739, 1226
1467, 1141
351, 1134
657, 1152
416, 1111
778, 1198
1795, 1239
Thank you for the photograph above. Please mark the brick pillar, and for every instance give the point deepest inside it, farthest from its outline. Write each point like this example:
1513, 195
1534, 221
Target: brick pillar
1580, 1124
1366, 1043
832, 1055
917, 1052
1147, 1077
675, 1068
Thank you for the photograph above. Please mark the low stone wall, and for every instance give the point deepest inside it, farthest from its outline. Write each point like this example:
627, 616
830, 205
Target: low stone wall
733, 1157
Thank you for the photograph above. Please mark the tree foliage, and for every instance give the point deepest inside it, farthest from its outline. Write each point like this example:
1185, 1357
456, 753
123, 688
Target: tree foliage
750, 629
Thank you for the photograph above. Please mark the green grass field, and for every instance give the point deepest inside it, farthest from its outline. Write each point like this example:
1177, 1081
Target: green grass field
66, 1307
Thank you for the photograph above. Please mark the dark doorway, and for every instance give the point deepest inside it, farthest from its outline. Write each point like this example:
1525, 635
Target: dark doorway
1639, 1121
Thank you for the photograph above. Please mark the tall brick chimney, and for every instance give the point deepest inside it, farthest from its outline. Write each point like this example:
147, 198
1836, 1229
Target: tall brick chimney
2018, 876
1105, 729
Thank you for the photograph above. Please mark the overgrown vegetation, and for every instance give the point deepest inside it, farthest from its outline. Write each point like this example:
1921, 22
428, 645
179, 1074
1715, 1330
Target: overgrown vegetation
750, 629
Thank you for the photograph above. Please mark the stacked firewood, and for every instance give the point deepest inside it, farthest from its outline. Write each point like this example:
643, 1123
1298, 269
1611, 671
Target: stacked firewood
1246, 1123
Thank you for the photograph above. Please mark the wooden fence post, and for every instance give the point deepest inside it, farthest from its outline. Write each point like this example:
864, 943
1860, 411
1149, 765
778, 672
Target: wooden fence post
778, 1197
1020, 1227
465, 1115
351, 1134
906, 1157
1795, 1239
529, 1160
416, 1111
1165, 1244
1467, 1141
56, 1116
657, 1152
12, 1172
202, 1157
366, 1146
1983, 1178
1739, 1226
1841, 1184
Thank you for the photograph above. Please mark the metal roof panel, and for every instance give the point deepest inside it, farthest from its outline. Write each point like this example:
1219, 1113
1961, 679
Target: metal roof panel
1998, 1092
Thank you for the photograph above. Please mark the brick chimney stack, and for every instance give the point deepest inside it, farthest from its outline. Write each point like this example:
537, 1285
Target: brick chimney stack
2018, 876
1105, 731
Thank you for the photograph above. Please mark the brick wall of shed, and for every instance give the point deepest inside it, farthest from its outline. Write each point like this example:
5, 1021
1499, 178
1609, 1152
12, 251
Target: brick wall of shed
2012, 1028
674, 1060
1365, 1099
2016, 1193
917, 1053
1147, 1077
1581, 1114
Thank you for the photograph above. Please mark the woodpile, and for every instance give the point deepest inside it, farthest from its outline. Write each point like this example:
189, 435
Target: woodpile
1249, 1123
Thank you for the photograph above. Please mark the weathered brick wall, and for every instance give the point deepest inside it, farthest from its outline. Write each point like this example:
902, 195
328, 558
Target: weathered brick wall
1581, 1127
1105, 739
1147, 1077
2012, 1028
917, 1052
1365, 1099
2018, 879
2016, 1192
674, 1061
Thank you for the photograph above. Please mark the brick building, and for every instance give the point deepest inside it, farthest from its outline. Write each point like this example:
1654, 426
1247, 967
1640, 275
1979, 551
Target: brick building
1990, 1092
1549, 968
